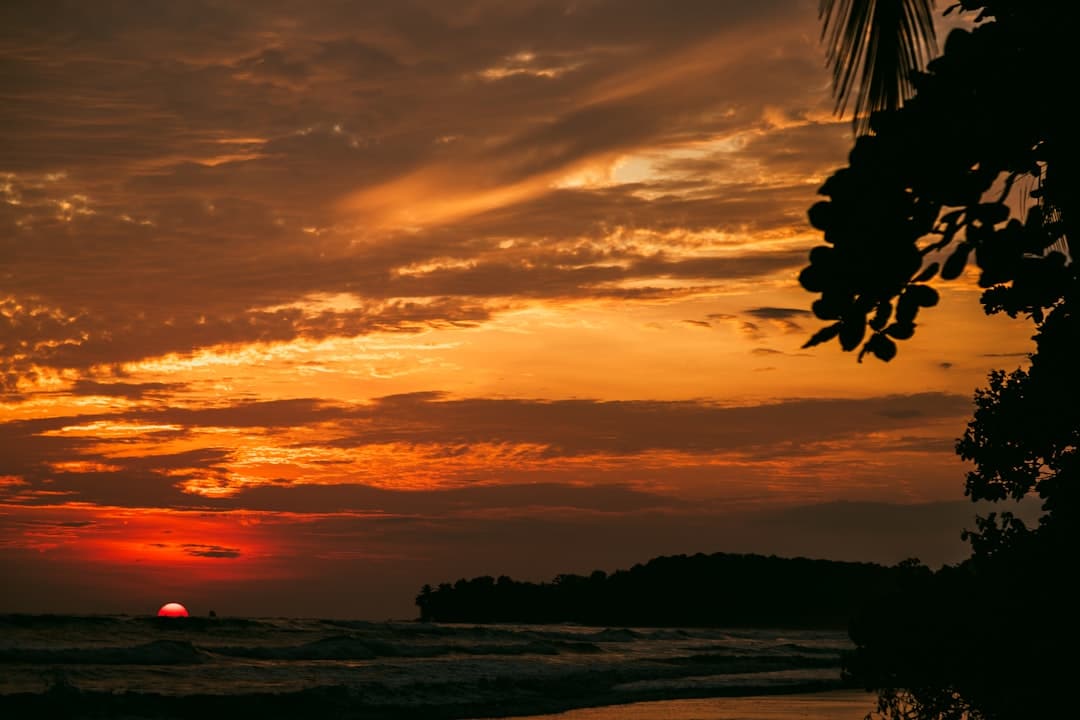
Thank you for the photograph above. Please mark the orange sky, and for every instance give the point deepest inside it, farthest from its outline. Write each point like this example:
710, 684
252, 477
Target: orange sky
305, 305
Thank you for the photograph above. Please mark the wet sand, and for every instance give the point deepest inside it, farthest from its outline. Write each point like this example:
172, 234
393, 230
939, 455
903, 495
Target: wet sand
833, 705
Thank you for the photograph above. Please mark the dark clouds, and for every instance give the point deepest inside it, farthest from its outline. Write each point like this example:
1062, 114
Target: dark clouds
210, 551
778, 313
567, 426
448, 441
183, 170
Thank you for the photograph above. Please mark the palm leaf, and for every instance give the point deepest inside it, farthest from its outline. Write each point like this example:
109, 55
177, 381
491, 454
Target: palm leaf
873, 47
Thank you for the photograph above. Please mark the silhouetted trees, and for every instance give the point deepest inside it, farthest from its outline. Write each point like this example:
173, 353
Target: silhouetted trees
698, 590
984, 118
938, 183
981, 163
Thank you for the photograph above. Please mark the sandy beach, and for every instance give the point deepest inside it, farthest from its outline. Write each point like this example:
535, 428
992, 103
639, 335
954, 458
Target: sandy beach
832, 705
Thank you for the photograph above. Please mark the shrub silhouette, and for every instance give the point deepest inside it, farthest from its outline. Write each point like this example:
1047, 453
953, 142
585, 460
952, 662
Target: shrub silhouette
981, 165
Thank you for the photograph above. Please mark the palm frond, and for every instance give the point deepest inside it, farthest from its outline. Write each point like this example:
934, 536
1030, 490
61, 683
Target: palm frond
872, 48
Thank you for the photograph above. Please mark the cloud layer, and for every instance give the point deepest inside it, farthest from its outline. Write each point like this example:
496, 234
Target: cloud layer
289, 291
198, 176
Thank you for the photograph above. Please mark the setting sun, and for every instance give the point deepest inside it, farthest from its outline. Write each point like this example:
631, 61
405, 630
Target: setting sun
172, 610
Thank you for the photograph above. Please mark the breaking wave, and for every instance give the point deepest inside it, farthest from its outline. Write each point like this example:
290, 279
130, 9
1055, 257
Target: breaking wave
58, 666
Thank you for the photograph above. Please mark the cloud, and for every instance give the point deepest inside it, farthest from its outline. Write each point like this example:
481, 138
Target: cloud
210, 551
778, 313
240, 241
565, 426
751, 330
509, 499
756, 323
53, 336
587, 426
129, 391
383, 456
783, 318
194, 165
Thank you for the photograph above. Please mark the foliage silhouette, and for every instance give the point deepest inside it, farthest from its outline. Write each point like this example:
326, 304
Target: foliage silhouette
698, 590
873, 48
947, 178
989, 638
981, 120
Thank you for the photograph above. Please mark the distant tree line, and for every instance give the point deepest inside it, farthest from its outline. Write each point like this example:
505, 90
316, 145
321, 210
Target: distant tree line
699, 590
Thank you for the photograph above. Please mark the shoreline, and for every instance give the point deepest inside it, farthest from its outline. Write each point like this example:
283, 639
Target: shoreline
277, 669
819, 701
835, 704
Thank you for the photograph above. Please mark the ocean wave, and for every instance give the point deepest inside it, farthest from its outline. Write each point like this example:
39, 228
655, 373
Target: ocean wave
353, 648
480, 698
19, 621
741, 663
801, 649
155, 652
616, 635
140, 667
45, 621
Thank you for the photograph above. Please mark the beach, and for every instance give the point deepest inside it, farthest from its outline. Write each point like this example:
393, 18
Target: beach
827, 705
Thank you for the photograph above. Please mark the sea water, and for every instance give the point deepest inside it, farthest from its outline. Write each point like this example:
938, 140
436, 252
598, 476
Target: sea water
102, 666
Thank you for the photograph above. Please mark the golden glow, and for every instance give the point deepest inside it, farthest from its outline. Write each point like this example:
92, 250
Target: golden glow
431, 196
310, 284
526, 64
83, 466
104, 428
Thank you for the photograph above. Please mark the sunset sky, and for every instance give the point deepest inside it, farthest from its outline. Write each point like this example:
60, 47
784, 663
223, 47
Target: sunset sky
304, 305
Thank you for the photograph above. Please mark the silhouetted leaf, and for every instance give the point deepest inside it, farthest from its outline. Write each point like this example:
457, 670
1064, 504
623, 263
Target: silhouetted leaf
821, 255
852, 331
956, 262
825, 334
928, 273
882, 347
826, 310
881, 316
874, 49
906, 308
812, 278
924, 295
991, 213
820, 214
815, 276
901, 330
836, 183
1035, 216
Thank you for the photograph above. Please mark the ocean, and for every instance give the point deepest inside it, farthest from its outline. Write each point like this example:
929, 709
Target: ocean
149, 667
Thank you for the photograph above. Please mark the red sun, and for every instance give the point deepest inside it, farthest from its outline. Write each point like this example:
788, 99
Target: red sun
172, 610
